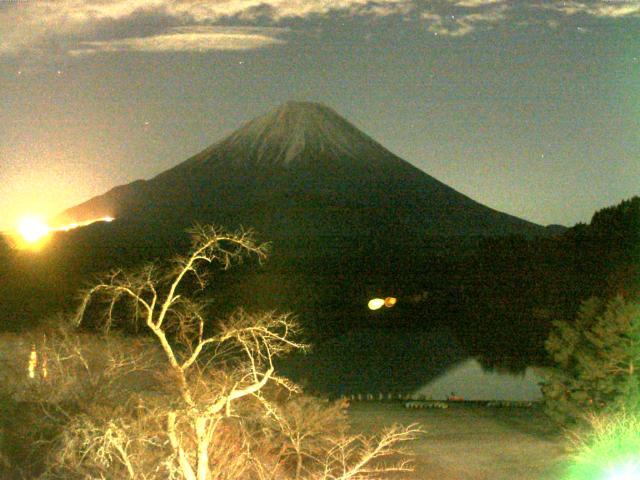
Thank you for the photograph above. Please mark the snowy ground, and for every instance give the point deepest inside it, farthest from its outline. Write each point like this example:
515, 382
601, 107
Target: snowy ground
472, 442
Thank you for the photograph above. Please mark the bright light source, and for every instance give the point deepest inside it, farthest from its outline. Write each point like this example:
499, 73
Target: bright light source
74, 225
628, 471
375, 303
390, 301
33, 362
32, 229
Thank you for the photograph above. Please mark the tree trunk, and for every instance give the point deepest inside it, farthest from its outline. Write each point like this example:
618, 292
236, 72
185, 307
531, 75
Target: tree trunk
187, 471
203, 448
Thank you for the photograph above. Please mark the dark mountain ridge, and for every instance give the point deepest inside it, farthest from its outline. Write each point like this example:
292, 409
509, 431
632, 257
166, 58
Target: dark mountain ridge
302, 170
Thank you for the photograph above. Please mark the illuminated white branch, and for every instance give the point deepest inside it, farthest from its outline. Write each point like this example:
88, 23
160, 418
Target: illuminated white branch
216, 372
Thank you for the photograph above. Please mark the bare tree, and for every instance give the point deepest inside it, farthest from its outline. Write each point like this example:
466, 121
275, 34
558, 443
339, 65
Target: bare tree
358, 457
217, 408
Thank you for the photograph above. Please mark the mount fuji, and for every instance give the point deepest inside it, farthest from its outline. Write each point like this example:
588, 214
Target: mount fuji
303, 171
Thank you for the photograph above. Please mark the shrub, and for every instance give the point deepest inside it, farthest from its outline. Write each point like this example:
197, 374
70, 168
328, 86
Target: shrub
596, 361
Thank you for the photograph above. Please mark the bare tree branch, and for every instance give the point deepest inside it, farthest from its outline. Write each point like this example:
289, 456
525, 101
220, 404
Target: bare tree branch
215, 407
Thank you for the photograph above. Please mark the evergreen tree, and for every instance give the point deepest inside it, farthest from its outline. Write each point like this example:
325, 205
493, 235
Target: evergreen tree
597, 360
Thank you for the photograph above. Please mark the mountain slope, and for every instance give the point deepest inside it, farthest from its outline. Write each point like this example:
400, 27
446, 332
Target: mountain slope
303, 171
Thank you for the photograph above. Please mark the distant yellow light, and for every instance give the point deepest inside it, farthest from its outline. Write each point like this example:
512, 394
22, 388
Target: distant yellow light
31, 232
33, 362
375, 303
32, 229
84, 223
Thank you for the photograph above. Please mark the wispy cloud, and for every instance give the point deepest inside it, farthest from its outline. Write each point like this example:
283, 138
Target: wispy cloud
184, 39
600, 8
283, 9
67, 25
475, 3
91, 26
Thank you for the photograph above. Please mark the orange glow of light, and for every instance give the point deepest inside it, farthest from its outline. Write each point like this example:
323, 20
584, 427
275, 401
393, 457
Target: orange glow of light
32, 230
378, 303
73, 225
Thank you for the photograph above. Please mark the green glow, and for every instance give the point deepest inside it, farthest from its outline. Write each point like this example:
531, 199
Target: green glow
610, 452
629, 471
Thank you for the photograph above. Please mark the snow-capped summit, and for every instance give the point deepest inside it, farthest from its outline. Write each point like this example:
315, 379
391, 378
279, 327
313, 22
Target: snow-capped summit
296, 133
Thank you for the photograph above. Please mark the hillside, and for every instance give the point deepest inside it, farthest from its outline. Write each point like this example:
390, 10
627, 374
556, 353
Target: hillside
303, 171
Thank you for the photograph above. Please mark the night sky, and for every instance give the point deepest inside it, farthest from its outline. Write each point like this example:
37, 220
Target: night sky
532, 108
